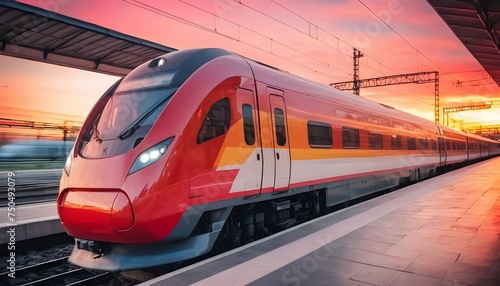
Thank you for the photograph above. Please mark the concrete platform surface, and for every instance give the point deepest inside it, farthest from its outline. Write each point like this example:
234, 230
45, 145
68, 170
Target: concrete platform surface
443, 231
30, 221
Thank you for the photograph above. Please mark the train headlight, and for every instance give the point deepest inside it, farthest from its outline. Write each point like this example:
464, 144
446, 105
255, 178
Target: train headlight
150, 156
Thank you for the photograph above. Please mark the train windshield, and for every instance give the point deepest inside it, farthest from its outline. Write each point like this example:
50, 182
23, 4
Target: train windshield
127, 111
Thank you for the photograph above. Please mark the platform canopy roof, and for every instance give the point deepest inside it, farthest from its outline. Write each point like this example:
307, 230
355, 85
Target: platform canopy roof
37, 34
477, 24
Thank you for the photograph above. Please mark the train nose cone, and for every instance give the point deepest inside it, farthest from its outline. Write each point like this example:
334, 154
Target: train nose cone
95, 214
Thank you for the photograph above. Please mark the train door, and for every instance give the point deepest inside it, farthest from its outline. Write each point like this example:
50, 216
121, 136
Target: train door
467, 148
442, 151
281, 144
252, 168
441, 147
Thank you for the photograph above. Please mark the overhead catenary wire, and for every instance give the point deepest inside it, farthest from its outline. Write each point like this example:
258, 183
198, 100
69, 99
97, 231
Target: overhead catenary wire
164, 13
366, 57
330, 34
317, 38
445, 73
260, 34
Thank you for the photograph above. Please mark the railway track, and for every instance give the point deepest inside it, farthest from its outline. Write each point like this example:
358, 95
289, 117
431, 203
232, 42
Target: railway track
30, 186
40, 262
43, 261
55, 272
38, 194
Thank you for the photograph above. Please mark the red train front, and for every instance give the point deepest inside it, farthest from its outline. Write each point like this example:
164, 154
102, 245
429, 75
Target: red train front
128, 180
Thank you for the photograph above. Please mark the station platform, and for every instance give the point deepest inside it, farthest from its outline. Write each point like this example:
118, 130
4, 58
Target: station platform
442, 231
31, 221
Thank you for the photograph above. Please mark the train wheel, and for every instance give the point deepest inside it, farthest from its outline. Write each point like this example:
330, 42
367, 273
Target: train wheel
229, 237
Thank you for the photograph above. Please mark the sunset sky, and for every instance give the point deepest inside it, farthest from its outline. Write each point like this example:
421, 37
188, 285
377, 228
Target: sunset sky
313, 39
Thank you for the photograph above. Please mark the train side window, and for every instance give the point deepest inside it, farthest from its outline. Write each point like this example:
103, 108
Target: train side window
454, 145
423, 144
248, 127
279, 116
375, 140
412, 143
396, 142
350, 138
433, 145
319, 134
448, 145
216, 122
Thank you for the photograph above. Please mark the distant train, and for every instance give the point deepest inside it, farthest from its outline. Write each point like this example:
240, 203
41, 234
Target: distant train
35, 149
203, 148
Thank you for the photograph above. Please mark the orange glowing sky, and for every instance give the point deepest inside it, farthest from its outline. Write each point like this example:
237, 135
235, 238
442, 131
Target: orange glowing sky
313, 39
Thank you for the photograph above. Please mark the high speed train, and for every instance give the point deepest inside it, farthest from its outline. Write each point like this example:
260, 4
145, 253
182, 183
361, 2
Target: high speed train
203, 148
